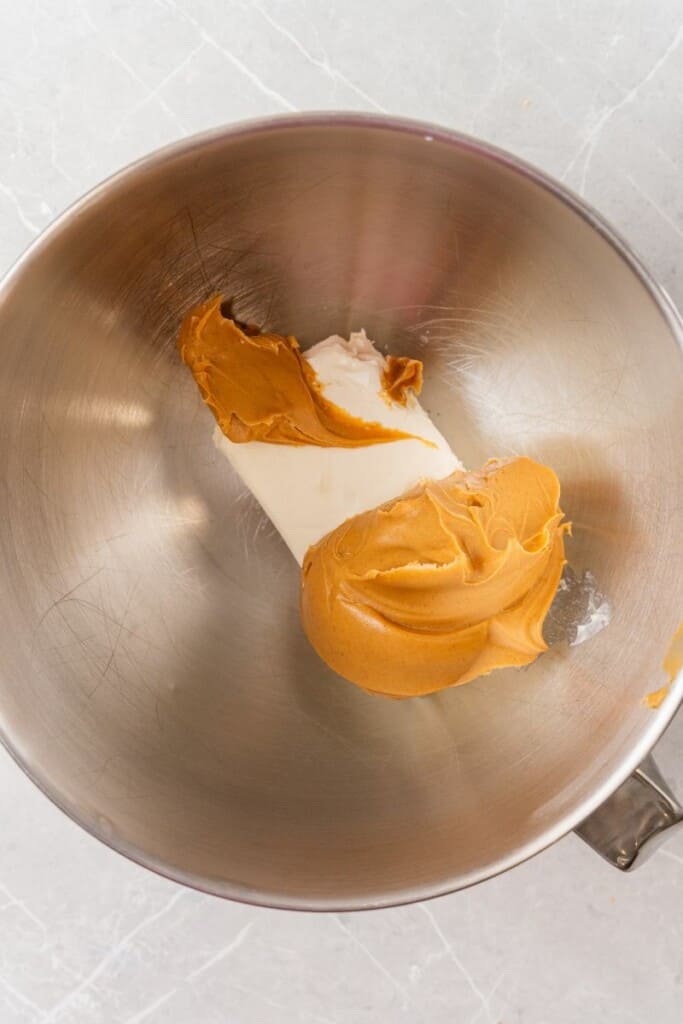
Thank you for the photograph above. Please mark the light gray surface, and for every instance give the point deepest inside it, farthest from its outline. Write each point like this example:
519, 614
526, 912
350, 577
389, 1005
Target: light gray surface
594, 97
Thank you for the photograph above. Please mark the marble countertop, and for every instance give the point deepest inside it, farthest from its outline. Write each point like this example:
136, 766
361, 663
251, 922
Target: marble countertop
589, 92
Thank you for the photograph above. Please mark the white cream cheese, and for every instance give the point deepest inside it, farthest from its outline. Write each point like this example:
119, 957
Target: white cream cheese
307, 491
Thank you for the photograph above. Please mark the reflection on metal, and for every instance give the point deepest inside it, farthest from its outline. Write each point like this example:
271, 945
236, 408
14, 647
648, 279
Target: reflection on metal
580, 610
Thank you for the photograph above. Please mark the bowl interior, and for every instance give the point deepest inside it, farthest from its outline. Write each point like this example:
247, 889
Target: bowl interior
154, 675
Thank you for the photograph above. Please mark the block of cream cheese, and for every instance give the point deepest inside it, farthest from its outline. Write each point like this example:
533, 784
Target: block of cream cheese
309, 490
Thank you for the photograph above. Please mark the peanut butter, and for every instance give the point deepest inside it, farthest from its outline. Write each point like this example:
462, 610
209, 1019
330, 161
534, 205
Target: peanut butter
656, 698
444, 584
673, 662
431, 589
401, 377
260, 388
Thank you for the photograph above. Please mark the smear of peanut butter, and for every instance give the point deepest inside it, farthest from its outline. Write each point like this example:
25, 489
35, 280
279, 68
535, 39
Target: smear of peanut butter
441, 585
260, 388
656, 697
673, 662
400, 378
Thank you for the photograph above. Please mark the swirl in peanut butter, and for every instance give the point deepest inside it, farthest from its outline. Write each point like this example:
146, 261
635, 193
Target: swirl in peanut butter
260, 388
401, 378
444, 584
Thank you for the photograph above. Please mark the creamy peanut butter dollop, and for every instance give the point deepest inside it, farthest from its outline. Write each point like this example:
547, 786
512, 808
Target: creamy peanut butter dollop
259, 387
441, 585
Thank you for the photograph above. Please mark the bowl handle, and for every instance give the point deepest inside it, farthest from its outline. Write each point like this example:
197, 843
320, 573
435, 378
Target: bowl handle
641, 809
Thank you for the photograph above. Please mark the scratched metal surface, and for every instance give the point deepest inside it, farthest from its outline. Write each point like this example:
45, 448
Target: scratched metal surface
120, 595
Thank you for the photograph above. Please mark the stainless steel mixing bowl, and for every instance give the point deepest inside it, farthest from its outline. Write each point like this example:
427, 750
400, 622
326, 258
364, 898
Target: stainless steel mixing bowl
154, 677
